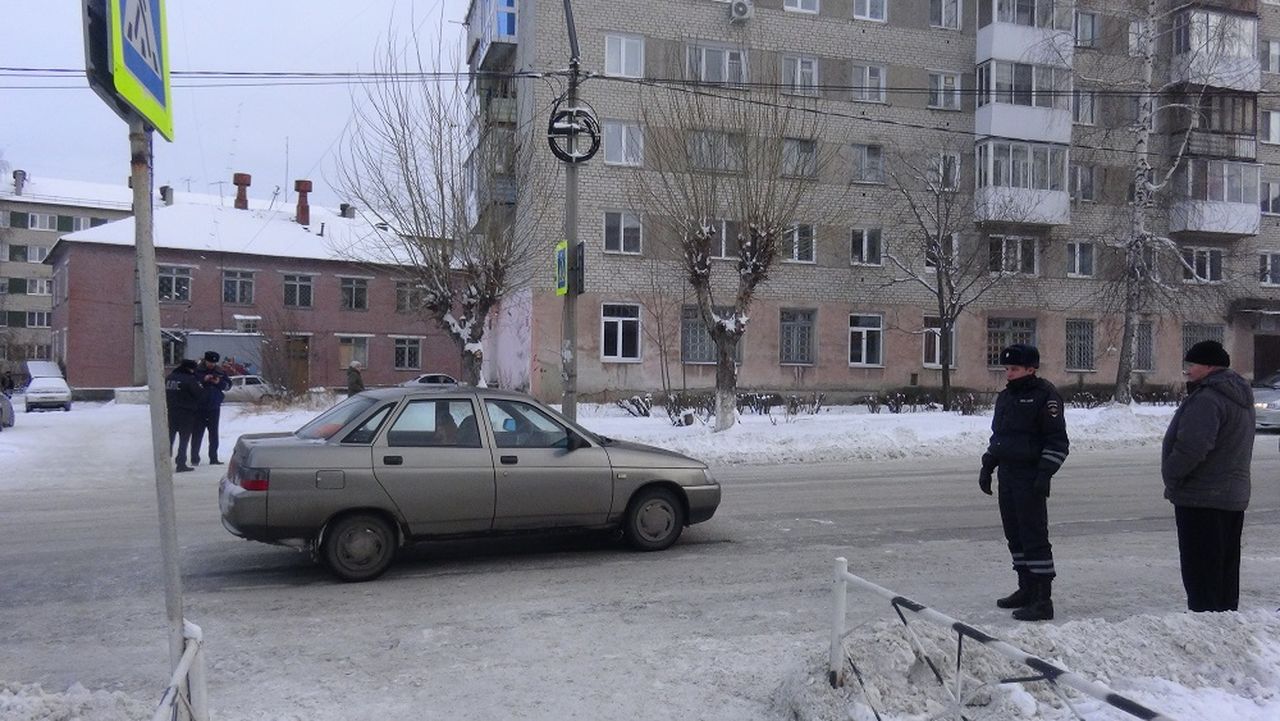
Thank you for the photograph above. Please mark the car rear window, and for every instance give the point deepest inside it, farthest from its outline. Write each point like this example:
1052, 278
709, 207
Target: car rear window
47, 384
323, 426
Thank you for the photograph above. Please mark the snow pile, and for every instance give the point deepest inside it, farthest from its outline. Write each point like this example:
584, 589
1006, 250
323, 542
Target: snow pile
19, 702
1188, 666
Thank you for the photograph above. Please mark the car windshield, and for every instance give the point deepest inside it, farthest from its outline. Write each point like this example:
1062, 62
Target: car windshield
47, 384
323, 426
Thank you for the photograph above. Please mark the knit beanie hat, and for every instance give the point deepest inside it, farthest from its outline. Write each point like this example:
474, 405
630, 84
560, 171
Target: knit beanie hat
1208, 353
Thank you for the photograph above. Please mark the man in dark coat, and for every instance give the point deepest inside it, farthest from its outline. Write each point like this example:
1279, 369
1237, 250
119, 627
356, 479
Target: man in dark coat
355, 381
1028, 444
1205, 462
183, 394
215, 382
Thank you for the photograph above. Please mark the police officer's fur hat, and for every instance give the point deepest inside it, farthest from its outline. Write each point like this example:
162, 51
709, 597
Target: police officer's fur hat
1208, 353
212, 356
187, 364
1020, 354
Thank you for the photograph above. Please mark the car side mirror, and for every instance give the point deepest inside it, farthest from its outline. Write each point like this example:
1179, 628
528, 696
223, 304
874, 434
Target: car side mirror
576, 441
509, 425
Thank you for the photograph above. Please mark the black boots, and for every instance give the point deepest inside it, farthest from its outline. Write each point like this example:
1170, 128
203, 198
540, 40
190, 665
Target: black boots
1020, 597
1040, 606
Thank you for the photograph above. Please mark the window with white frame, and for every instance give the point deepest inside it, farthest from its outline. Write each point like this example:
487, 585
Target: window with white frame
624, 56
37, 253
40, 286
1086, 29
944, 171
353, 348
38, 351
620, 332
805, 6
717, 64
1144, 347
945, 14
1083, 182
796, 336
799, 157
1201, 265
237, 287
933, 343
1269, 126
868, 164
715, 150
1082, 107
1269, 198
866, 340
1139, 36
1080, 259
868, 82
622, 232
864, 247
1269, 55
298, 290
797, 243
696, 345
945, 246
800, 74
1021, 165
1080, 344
869, 9
1219, 180
355, 293
175, 283
79, 223
1013, 254
944, 91
1269, 268
724, 244
409, 296
623, 143
408, 354
1193, 333
248, 323
1004, 332
43, 221
1040, 86
38, 318
1033, 13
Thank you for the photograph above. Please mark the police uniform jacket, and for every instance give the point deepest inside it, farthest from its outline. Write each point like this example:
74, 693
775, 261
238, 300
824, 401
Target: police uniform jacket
182, 391
1028, 431
213, 390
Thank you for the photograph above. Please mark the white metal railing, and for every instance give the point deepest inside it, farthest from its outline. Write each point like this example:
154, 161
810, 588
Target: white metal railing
186, 697
1054, 675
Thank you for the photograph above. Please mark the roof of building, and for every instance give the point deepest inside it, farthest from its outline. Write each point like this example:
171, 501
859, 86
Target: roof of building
275, 233
106, 196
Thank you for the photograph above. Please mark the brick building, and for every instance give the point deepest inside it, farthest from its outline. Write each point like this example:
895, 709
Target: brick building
293, 276
1017, 83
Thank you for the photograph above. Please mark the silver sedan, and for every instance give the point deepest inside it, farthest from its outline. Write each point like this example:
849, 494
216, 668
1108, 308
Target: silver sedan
1266, 406
391, 466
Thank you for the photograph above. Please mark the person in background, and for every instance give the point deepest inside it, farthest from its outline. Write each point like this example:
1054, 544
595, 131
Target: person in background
6, 383
1205, 462
1028, 444
182, 393
355, 381
215, 384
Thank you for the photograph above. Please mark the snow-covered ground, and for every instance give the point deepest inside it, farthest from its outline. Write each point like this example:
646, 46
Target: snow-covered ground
1205, 666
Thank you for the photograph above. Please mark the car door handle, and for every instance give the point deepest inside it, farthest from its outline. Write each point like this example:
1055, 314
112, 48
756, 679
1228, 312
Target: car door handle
393, 460
510, 460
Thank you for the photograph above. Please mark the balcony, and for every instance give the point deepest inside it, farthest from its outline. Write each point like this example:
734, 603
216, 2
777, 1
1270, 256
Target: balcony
1215, 49
1003, 120
500, 111
1205, 143
1023, 44
1214, 217
491, 34
1022, 205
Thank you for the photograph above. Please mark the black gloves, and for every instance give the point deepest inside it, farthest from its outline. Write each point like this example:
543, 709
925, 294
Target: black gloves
1042, 484
984, 481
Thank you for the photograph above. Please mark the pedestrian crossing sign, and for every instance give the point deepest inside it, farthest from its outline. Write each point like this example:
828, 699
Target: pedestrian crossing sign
139, 62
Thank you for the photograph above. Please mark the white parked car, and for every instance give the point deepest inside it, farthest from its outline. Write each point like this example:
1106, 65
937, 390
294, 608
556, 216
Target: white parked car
47, 392
431, 379
250, 389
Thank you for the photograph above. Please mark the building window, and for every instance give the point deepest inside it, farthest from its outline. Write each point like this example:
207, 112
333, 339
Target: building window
944, 91
713, 150
796, 337
1220, 181
1193, 333
38, 351
866, 340
806, 6
79, 223
1004, 332
945, 13
1082, 105
1080, 260
620, 332
868, 164
1082, 182
1269, 55
1031, 13
505, 18
353, 348
946, 246
1139, 35
624, 56
1022, 165
297, 291
1013, 254
355, 293
797, 243
864, 247
868, 83
408, 297
696, 345
1269, 268
38, 319
40, 286
408, 354
1144, 352
1269, 126
37, 253
175, 283
869, 9
237, 287
248, 323
622, 233
718, 65
43, 221
623, 143
1040, 86
800, 75
944, 171
933, 343
724, 244
1201, 265
1270, 196
799, 158
17, 253
1086, 29
1079, 344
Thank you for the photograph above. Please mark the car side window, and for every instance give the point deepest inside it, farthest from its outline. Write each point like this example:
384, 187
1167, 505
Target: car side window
520, 425
435, 423
252, 381
367, 431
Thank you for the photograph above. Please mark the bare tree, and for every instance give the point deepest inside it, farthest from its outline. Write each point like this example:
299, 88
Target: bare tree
439, 169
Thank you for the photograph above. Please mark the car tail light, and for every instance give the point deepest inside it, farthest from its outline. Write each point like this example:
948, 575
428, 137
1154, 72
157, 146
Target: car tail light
252, 479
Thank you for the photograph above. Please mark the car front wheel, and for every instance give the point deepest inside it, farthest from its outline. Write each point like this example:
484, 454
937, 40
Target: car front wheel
654, 520
359, 547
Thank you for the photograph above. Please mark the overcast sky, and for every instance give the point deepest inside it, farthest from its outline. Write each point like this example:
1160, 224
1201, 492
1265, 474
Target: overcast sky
70, 133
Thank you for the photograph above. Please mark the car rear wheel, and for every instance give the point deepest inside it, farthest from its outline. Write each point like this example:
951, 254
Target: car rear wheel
359, 547
654, 520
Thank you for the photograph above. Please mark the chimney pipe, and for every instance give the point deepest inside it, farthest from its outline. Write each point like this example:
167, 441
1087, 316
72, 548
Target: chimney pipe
344, 209
242, 182
19, 180
166, 194
302, 187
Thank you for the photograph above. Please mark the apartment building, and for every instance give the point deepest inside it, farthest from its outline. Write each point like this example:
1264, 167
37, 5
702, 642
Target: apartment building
1035, 104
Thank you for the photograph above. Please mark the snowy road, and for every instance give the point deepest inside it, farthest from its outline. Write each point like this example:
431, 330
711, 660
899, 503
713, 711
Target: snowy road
555, 628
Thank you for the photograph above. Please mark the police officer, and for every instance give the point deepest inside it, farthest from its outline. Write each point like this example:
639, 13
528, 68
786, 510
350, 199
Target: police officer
183, 394
1028, 445
215, 383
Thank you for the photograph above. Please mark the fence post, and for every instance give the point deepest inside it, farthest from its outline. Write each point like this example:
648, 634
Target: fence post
197, 685
839, 587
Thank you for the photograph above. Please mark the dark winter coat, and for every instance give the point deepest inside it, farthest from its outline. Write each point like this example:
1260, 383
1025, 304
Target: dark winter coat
1209, 445
213, 389
355, 382
183, 392
1028, 428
